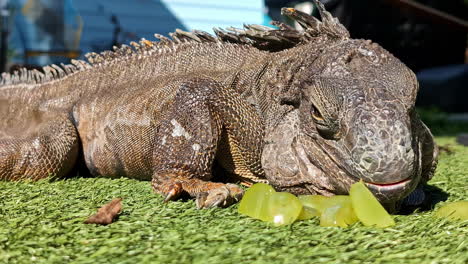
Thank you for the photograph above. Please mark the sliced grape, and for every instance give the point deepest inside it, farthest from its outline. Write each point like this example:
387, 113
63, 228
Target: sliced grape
256, 201
340, 200
313, 203
284, 208
454, 211
368, 210
338, 212
346, 215
308, 213
328, 217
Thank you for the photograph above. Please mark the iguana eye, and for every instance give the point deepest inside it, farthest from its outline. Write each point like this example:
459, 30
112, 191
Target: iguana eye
327, 129
316, 115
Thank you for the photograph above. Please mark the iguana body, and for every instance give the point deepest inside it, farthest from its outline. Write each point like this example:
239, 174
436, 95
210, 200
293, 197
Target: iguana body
281, 106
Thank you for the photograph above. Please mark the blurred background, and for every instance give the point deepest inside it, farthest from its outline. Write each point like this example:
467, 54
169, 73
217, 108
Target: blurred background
430, 36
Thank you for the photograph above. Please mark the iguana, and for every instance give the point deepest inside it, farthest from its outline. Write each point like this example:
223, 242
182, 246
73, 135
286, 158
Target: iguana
309, 111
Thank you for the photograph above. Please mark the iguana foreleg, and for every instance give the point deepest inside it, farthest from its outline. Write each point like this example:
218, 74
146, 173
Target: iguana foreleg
189, 138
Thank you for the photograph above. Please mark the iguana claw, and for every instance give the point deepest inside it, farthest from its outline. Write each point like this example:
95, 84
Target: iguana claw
219, 197
174, 192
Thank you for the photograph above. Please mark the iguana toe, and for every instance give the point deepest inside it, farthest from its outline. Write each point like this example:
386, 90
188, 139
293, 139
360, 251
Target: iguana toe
219, 197
200, 199
174, 192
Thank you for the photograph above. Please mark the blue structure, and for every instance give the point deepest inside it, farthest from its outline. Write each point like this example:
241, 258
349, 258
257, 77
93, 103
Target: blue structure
106, 22
203, 15
39, 26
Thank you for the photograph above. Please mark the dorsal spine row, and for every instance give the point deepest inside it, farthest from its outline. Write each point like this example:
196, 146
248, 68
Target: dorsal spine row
261, 37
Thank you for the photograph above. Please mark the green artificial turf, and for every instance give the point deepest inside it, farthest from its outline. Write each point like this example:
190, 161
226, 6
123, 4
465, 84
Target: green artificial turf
42, 222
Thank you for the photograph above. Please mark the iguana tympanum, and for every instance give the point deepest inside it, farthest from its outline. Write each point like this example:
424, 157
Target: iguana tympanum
309, 111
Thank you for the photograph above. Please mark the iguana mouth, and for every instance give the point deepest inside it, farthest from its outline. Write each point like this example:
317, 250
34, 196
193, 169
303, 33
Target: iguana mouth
392, 191
390, 185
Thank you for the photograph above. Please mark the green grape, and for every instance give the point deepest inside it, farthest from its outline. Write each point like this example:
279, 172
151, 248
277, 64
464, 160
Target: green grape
333, 211
307, 213
368, 210
319, 202
313, 205
454, 211
328, 217
256, 201
284, 208
338, 211
346, 215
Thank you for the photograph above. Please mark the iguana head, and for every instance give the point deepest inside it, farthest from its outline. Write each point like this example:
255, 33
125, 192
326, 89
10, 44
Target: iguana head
353, 119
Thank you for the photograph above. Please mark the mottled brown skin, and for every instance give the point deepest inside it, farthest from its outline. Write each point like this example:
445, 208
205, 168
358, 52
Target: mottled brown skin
307, 111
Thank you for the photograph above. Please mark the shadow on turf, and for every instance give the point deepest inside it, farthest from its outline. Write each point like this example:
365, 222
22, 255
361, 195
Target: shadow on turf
434, 195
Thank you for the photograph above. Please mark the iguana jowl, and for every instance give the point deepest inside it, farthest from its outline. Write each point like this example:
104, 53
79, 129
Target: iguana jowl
308, 111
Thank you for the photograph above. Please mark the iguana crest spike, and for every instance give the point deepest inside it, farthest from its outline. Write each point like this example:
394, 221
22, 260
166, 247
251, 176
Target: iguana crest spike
328, 25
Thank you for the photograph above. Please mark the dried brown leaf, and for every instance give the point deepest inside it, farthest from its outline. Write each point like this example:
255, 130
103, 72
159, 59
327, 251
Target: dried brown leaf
107, 213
